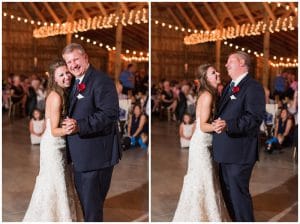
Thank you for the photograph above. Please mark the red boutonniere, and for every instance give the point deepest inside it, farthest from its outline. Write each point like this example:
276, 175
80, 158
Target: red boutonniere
235, 89
81, 87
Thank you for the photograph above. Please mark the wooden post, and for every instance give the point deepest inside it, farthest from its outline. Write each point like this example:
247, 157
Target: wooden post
218, 55
69, 35
118, 62
35, 55
185, 60
266, 67
110, 64
68, 38
9, 45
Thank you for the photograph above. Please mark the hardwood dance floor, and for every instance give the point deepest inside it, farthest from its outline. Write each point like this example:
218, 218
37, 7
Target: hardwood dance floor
274, 182
127, 199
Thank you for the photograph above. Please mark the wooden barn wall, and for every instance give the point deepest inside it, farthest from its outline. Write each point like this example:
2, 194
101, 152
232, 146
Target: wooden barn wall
19, 49
169, 56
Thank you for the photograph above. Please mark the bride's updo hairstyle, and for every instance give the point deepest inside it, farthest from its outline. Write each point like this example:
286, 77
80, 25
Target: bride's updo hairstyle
201, 75
53, 86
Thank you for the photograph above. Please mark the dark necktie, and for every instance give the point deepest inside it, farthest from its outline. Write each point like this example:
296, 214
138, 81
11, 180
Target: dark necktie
231, 86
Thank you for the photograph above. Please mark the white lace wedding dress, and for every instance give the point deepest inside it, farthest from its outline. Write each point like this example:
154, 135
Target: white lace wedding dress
54, 198
201, 197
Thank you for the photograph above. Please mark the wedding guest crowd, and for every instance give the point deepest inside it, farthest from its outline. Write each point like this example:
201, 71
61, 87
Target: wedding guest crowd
25, 92
132, 88
174, 100
29, 95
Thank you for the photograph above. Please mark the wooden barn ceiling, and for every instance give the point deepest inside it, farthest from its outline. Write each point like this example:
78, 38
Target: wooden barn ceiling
213, 15
135, 37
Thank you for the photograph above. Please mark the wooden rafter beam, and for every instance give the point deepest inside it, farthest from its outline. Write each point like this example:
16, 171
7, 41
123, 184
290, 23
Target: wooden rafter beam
24, 10
101, 8
199, 16
143, 31
229, 13
82, 9
37, 12
75, 7
269, 11
124, 7
131, 37
292, 5
64, 8
140, 6
289, 38
287, 14
247, 11
52, 13
187, 18
174, 17
211, 12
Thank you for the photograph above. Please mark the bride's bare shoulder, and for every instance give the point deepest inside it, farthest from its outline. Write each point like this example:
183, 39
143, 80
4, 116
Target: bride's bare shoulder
54, 97
205, 96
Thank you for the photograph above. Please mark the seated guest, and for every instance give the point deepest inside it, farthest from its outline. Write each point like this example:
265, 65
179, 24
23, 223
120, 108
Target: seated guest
186, 130
283, 134
137, 124
36, 127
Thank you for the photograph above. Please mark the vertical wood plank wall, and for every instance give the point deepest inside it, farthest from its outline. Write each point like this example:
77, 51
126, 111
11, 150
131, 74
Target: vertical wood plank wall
19, 48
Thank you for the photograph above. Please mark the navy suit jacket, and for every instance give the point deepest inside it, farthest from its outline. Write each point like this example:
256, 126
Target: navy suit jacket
239, 143
97, 144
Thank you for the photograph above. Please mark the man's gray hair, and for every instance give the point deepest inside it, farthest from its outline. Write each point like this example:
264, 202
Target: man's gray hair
71, 47
246, 57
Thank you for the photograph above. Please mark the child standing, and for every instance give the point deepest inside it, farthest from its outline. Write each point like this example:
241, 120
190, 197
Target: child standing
186, 130
36, 127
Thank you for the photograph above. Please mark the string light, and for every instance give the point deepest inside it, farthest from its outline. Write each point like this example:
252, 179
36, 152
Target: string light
144, 19
246, 29
140, 58
25, 20
97, 22
134, 58
289, 62
241, 31
281, 64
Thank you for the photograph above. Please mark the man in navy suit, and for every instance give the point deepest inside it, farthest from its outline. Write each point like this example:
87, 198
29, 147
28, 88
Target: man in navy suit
94, 144
235, 143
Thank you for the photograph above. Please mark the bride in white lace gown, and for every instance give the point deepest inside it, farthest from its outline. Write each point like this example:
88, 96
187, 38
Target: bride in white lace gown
201, 196
54, 197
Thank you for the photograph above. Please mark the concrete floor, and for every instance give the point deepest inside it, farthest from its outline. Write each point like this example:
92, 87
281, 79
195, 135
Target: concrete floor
127, 199
274, 183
